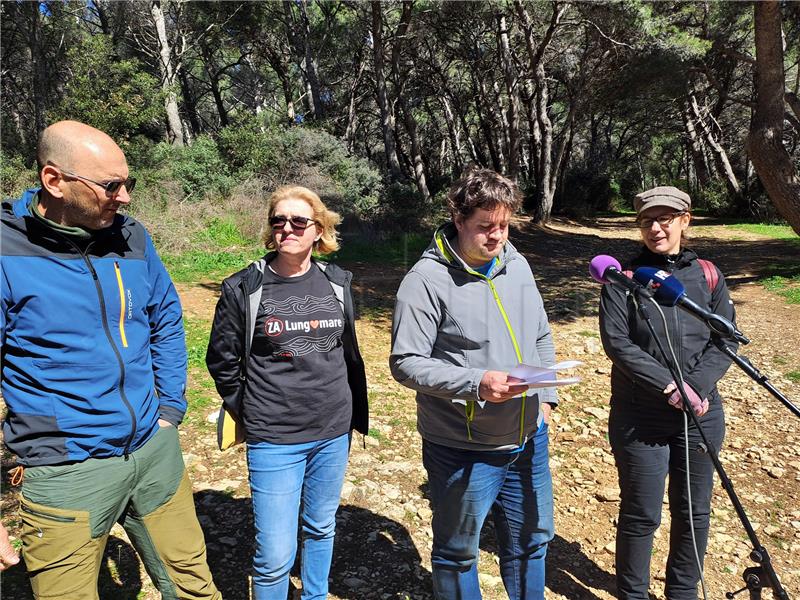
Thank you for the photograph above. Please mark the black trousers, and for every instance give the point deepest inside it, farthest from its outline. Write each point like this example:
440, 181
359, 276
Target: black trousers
649, 445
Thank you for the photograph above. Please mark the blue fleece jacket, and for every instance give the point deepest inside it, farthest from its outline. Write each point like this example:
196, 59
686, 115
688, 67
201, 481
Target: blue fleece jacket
93, 347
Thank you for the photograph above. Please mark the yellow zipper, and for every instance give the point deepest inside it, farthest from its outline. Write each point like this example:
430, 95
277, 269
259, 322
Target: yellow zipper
516, 350
118, 272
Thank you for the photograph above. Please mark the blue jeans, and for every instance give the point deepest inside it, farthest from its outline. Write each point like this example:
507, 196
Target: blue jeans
281, 476
517, 488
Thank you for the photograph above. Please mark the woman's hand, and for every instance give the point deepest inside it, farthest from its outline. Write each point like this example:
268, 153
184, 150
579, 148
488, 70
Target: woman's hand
699, 405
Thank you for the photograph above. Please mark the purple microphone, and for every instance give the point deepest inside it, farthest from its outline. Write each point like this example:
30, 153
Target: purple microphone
606, 269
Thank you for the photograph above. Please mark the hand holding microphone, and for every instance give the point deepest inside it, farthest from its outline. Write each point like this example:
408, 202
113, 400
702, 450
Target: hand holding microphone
699, 405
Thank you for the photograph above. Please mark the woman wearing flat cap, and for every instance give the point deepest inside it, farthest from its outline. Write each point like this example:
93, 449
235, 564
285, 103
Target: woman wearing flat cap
648, 429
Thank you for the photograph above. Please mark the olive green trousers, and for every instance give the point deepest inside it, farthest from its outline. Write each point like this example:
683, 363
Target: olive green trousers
68, 511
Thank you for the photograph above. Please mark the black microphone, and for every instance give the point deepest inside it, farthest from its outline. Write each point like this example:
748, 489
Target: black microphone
606, 269
669, 291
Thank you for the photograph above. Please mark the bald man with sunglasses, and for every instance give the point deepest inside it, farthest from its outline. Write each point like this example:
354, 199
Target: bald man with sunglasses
93, 375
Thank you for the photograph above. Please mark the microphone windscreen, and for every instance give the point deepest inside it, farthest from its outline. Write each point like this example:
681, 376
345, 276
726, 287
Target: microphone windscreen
599, 264
666, 288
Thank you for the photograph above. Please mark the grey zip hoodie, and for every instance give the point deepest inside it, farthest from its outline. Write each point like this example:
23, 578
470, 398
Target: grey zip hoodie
450, 326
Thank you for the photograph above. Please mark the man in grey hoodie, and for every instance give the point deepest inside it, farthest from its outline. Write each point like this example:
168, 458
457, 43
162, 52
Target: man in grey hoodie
467, 313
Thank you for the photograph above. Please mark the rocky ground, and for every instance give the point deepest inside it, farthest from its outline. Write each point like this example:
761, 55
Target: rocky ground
384, 537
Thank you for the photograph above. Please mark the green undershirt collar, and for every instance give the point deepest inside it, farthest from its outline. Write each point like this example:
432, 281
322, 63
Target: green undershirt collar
78, 232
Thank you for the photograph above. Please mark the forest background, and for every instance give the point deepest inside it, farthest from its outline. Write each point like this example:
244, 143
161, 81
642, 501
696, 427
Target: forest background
380, 105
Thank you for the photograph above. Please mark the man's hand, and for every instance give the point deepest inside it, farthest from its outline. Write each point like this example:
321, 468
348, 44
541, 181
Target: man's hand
497, 386
546, 410
699, 405
163, 423
8, 557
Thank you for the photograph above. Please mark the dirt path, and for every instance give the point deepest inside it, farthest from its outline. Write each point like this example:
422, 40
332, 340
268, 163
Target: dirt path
383, 539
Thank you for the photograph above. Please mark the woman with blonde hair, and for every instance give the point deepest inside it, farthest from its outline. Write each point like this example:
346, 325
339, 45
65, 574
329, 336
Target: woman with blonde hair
284, 356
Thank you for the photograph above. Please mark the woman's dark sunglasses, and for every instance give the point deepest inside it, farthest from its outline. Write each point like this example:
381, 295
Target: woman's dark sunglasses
111, 187
279, 222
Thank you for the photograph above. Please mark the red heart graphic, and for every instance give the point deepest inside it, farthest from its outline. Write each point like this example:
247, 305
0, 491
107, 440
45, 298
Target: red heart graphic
314, 324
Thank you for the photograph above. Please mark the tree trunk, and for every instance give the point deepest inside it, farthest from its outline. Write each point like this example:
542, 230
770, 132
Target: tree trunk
545, 188
408, 116
259, 100
453, 134
765, 142
563, 146
696, 147
214, 76
352, 113
500, 123
276, 62
189, 102
167, 67
565, 152
38, 66
794, 103
112, 16
387, 116
720, 156
475, 150
534, 135
100, 7
310, 63
512, 116
484, 112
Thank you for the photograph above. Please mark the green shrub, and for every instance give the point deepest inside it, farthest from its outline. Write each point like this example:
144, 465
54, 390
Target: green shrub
762, 208
141, 153
401, 209
222, 232
303, 156
15, 176
199, 168
714, 199
248, 150
116, 96
585, 192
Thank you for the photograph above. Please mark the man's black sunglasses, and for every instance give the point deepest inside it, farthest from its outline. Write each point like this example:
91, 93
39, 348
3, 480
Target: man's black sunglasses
279, 222
111, 187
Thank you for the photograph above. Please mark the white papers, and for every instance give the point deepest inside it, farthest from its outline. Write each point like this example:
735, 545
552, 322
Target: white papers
542, 377
539, 377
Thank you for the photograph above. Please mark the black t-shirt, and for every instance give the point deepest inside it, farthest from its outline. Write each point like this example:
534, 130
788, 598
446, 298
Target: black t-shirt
297, 387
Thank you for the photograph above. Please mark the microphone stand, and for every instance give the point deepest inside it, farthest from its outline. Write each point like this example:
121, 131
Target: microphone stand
745, 365
756, 578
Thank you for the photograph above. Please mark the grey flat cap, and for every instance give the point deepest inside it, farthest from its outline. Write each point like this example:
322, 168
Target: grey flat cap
664, 195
